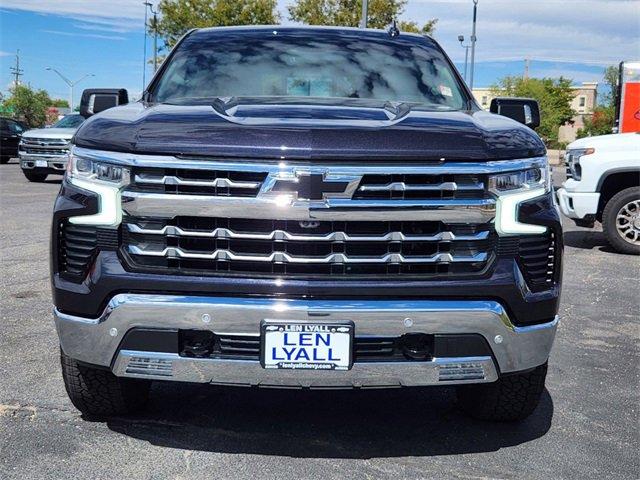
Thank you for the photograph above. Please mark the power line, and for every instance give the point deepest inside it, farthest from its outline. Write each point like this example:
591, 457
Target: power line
16, 71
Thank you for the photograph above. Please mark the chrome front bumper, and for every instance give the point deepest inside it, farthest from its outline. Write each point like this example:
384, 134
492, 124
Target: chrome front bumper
96, 340
59, 162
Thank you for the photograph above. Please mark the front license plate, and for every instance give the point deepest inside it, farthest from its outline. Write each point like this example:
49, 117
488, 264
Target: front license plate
41, 163
306, 346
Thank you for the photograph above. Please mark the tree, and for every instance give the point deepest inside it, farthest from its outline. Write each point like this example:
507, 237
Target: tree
553, 95
603, 118
347, 13
59, 103
601, 122
179, 16
28, 105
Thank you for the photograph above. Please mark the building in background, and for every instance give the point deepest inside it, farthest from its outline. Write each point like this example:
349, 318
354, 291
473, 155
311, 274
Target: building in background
584, 101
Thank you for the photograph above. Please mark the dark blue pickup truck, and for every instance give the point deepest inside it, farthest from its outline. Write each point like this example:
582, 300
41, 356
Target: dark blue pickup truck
308, 208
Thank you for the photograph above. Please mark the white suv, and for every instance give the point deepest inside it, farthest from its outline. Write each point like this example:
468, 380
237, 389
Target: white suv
603, 184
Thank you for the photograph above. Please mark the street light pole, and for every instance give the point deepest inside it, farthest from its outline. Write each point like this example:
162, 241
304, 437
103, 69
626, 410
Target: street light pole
70, 84
473, 43
365, 14
144, 56
155, 33
466, 54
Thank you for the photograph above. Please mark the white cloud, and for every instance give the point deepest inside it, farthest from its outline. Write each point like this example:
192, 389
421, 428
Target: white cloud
125, 15
591, 32
87, 35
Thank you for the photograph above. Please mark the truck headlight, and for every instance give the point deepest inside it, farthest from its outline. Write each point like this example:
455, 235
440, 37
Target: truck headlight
572, 158
513, 188
103, 178
523, 180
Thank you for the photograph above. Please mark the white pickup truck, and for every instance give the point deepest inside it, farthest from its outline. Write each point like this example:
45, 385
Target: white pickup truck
603, 184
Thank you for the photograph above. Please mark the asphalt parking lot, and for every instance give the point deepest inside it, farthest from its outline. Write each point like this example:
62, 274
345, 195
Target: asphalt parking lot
587, 425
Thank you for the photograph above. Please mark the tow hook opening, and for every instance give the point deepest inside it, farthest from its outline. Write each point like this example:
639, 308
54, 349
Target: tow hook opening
417, 346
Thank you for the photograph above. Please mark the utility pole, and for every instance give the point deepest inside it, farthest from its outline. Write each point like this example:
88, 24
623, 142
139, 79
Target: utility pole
17, 71
365, 14
473, 42
527, 62
70, 84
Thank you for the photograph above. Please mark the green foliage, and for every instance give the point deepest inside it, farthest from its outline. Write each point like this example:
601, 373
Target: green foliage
604, 116
28, 105
412, 27
600, 123
59, 103
347, 13
610, 77
179, 16
553, 95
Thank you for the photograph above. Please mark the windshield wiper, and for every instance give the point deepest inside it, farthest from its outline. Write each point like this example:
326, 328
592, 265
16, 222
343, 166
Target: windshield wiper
222, 104
397, 109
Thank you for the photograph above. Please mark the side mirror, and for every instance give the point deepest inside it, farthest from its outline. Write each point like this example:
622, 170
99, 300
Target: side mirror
523, 110
96, 100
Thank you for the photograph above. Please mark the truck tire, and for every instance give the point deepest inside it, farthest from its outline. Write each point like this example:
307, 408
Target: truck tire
35, 177
511, 398
621, 221
99, 393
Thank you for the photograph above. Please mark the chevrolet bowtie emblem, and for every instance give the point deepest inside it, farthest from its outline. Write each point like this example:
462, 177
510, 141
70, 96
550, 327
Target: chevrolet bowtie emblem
311, 185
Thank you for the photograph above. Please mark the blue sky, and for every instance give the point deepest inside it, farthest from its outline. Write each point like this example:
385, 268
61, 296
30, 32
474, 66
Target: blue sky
573, 38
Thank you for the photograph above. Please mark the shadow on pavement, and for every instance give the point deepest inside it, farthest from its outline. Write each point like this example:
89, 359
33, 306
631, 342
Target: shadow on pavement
588, 240
322, 424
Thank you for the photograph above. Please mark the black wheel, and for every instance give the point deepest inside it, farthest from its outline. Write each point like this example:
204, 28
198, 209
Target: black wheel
621, 221
4, 160
511, 398
100, 393
35, 177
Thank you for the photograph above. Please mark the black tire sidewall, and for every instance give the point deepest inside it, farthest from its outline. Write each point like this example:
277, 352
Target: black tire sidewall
609, 214
35, 177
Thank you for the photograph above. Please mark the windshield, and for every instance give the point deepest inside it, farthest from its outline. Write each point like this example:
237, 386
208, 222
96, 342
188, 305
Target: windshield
69, 121
311, 63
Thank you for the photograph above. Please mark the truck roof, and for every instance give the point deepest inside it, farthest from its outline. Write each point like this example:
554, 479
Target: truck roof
308, 28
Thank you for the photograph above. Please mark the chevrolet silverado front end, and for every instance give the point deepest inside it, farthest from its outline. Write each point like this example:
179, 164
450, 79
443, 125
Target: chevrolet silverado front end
309, 208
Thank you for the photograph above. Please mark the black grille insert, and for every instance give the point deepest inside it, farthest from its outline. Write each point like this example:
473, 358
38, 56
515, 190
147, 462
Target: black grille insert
77, 248
205, 344
537, 258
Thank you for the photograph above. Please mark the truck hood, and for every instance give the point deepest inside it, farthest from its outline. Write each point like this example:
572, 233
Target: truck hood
65, 133
609, 143
357, 130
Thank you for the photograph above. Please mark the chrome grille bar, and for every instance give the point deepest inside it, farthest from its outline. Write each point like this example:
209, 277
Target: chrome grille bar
225, 233
175, 180
406, 187
281, 257
160, 205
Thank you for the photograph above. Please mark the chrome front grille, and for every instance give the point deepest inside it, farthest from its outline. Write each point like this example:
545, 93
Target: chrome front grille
198, 182
403, 187
204, 216
197, 245
231, 183
44, 146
